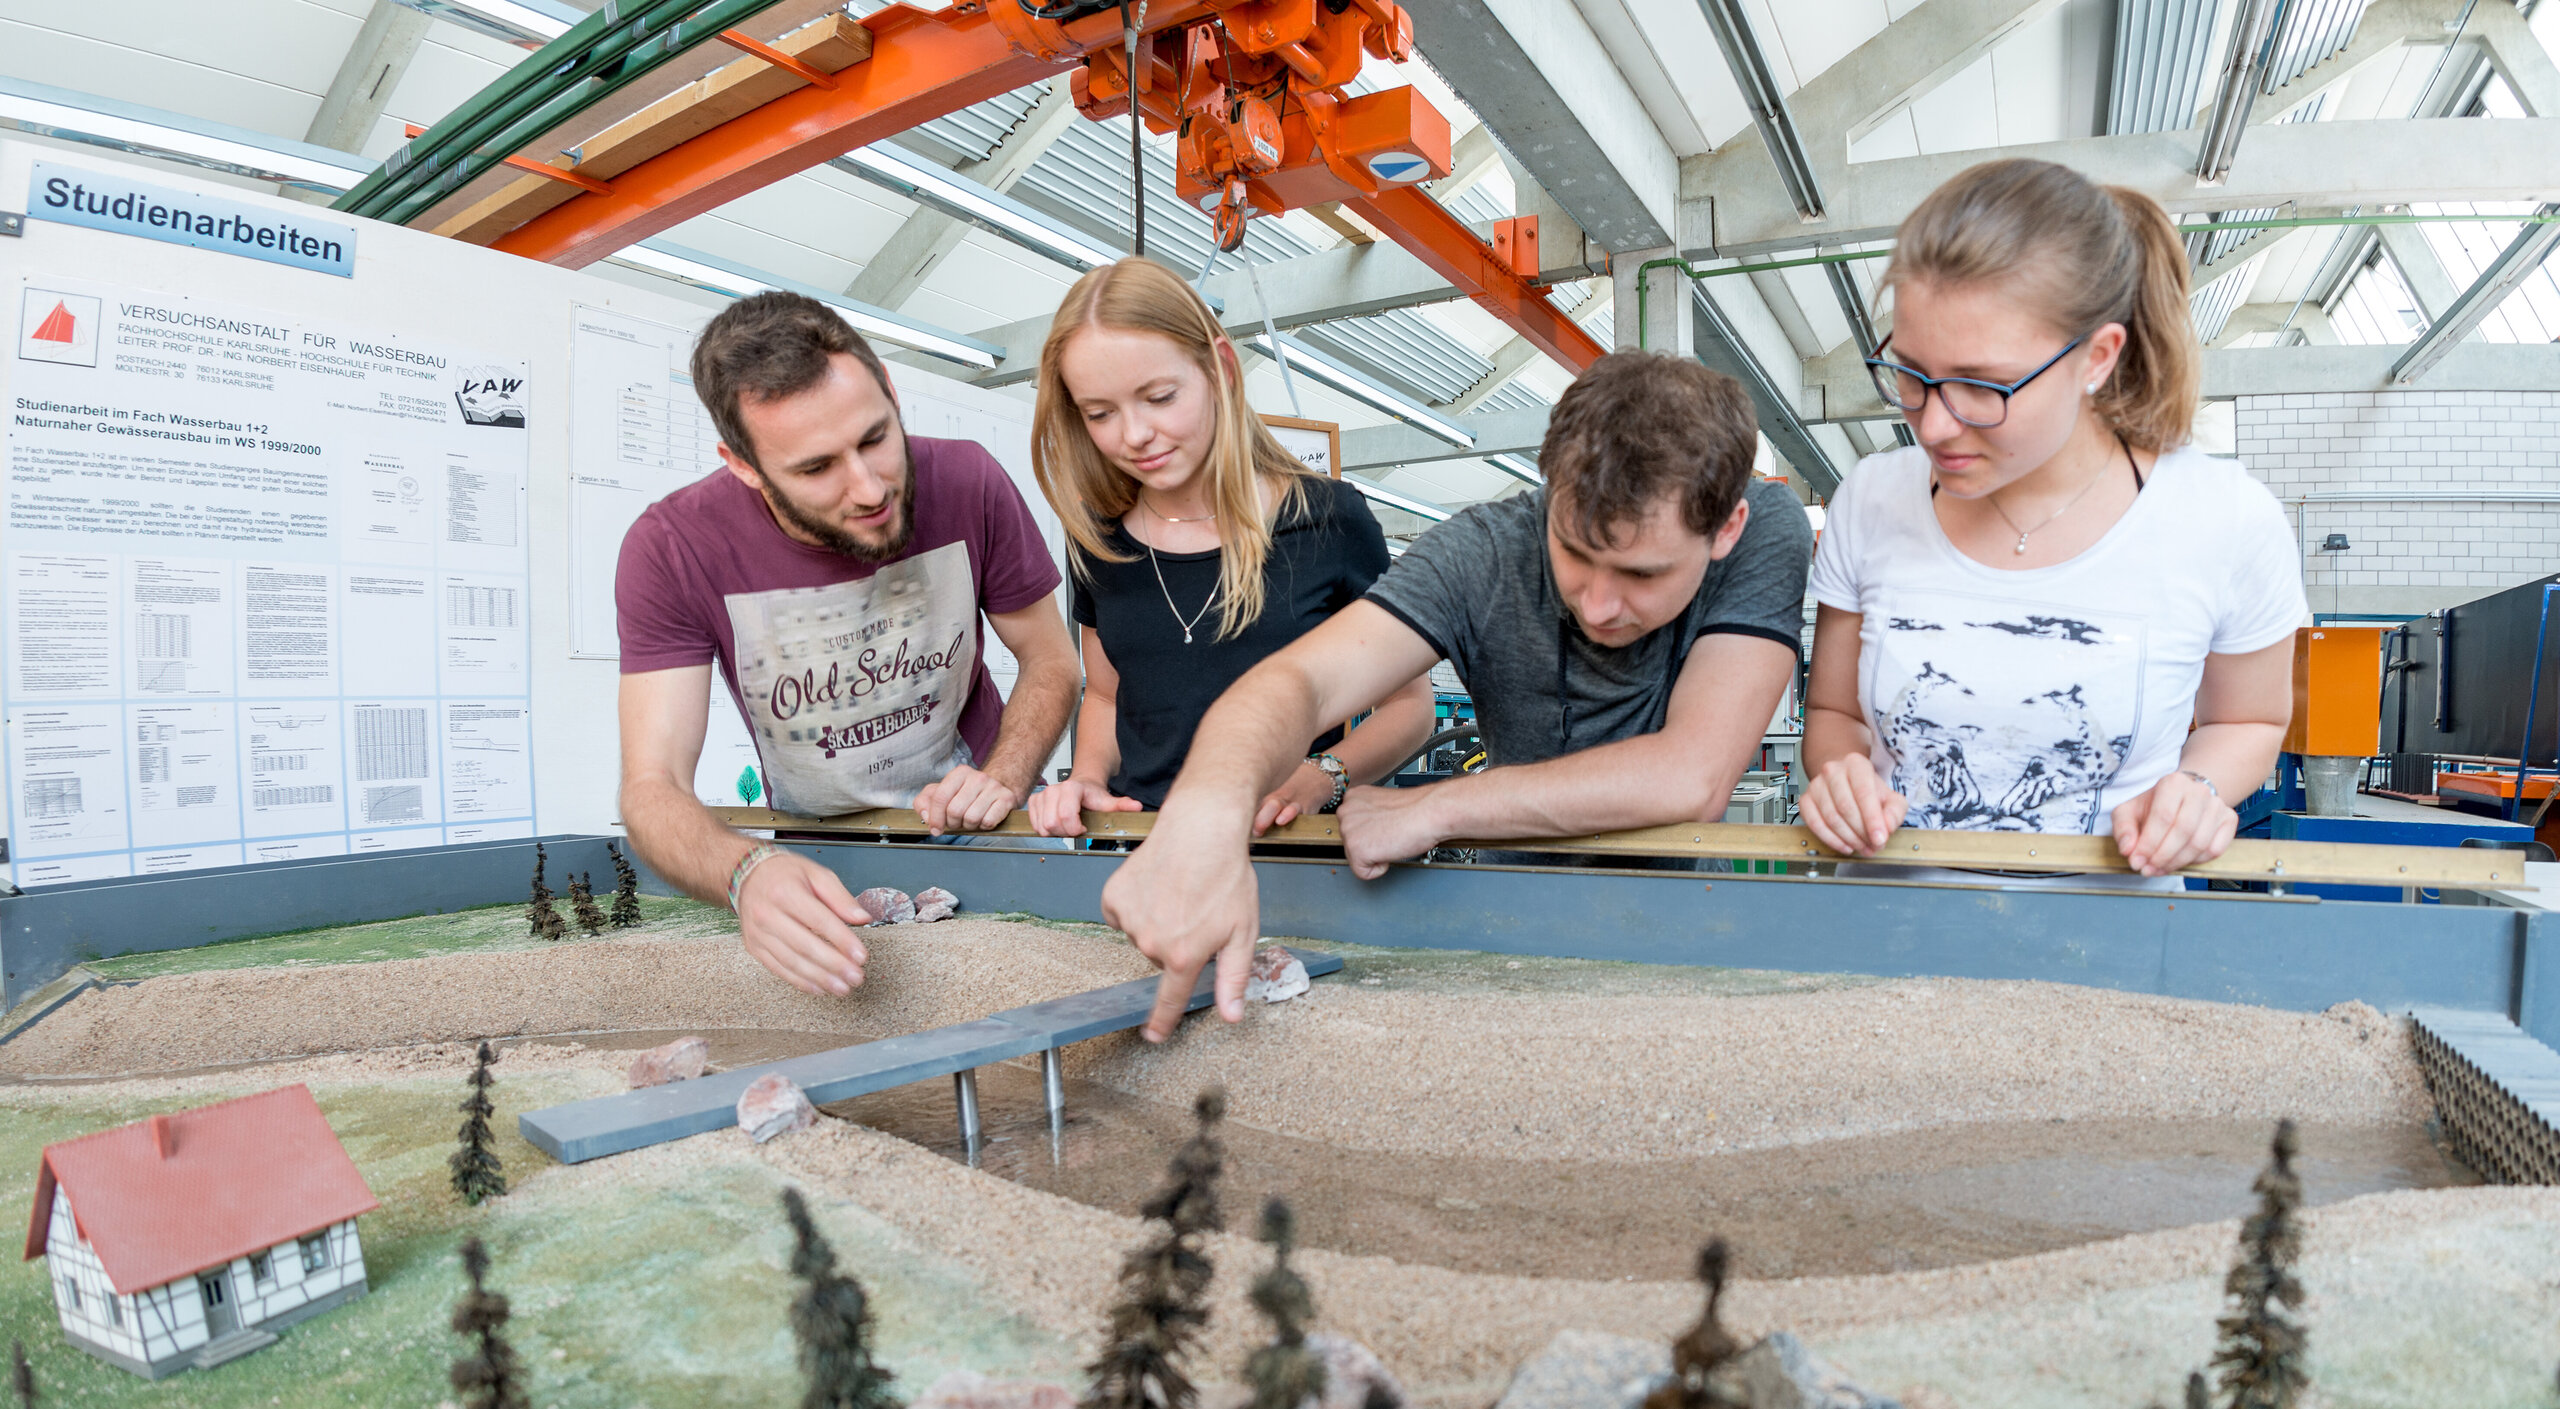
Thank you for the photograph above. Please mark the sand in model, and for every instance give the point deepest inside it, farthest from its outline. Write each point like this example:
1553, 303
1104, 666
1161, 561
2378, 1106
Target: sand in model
190, 1239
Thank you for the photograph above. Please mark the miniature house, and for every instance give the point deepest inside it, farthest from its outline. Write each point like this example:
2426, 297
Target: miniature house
190, 1239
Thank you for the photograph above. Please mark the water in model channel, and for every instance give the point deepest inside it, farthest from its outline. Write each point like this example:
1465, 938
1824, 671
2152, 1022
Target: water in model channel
1884, 1203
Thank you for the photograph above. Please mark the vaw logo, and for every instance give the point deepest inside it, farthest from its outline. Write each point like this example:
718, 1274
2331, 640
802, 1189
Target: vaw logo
58, 327
863, 733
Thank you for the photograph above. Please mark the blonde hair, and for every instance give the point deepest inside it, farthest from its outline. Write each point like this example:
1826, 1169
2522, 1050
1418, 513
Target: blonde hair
2083, 255
1090, 493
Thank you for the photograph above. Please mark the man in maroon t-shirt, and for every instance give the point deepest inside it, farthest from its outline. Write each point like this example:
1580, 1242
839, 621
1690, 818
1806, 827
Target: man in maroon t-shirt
836, 570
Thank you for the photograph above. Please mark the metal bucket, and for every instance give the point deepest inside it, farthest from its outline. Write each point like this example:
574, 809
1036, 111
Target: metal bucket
2329, 784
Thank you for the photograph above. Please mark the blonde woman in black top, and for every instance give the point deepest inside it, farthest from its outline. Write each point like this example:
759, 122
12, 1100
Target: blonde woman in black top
1198, 546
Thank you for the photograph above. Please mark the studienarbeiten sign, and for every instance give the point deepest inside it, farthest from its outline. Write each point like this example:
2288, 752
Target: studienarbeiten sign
99, 200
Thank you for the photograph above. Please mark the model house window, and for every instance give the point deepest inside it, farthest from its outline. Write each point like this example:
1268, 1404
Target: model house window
70, 1295
262, 1268
315, 1252
115, 1311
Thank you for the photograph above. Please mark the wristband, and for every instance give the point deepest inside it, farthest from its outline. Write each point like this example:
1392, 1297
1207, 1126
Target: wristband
1332, 768
756, 856
2208, 782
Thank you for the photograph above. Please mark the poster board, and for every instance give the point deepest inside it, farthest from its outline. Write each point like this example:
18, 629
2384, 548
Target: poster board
1317, 444
264, 586
409, 295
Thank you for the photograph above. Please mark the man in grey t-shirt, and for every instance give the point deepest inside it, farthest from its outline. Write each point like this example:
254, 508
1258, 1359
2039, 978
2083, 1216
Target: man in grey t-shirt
1626, 634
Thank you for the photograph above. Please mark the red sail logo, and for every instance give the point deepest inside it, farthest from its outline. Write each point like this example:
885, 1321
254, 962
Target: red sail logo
58, 326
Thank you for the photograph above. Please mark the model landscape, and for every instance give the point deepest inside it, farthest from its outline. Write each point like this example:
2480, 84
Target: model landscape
1435, 1178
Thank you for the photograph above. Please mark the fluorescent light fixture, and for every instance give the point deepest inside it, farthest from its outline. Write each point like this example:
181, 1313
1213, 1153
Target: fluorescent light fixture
1421, 507
1362, 389
1518, 467
959, 197
738, 281
527, 24
149, 132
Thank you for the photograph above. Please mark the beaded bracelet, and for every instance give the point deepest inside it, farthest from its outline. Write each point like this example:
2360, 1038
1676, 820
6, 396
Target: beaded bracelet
756, 856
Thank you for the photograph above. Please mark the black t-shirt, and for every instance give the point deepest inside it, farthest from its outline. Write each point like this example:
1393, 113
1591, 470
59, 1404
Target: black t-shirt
1325, 551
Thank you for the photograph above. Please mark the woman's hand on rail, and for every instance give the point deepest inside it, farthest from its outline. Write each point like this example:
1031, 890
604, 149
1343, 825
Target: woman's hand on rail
2178, 823
1849, 808
1058, 810
1303, 795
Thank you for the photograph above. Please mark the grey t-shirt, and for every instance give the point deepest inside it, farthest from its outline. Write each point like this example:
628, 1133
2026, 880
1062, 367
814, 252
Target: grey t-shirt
1479, 589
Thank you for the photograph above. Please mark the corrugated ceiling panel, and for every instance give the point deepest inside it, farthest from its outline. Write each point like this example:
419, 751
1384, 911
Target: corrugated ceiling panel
2313, 30
2161, 48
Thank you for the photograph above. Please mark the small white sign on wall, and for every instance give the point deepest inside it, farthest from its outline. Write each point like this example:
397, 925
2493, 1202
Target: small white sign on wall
1317, 444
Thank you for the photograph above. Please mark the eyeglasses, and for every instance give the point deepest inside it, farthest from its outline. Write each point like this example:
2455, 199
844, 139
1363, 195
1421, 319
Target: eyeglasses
1975, 402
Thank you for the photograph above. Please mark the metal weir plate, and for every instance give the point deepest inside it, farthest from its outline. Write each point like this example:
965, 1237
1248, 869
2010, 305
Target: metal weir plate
610, 1125
2497, 1090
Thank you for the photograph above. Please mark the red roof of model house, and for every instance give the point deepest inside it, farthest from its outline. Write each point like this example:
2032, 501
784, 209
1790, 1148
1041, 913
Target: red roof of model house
175, 1194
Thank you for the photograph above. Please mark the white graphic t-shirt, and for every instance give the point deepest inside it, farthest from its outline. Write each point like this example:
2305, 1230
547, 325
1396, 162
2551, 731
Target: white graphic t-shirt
2041, 700
855, 688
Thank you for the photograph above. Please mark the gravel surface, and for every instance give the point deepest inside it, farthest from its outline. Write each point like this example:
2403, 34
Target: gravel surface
1382, 1060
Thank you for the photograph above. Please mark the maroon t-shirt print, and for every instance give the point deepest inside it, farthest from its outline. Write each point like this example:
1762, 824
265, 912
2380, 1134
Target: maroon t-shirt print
843, 670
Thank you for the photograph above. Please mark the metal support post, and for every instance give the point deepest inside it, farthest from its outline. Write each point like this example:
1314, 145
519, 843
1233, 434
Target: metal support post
1053, 1087
972, 1137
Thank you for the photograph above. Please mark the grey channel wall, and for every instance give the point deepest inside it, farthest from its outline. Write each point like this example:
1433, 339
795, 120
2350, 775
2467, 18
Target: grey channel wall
43, 933
2294, 953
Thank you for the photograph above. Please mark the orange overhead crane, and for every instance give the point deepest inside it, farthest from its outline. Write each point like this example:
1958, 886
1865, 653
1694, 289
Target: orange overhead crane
1253, 87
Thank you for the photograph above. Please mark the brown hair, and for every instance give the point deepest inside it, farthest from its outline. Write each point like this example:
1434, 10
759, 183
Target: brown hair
766, 346
1090, 494
2083, 256
1638, 425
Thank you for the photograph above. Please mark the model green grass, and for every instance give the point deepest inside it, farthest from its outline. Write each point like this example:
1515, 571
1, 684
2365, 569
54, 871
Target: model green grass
656, 1279
487, 930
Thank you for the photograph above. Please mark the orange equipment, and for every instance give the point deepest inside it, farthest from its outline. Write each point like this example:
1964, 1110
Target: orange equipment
1255, 92
1254, 87
2337, 691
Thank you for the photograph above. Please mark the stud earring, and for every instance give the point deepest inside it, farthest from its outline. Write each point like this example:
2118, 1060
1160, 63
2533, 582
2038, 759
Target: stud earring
2093, 388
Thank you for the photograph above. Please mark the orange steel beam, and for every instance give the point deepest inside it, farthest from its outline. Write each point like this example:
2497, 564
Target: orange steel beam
921, 67
1442, 241
748, 44
566, 178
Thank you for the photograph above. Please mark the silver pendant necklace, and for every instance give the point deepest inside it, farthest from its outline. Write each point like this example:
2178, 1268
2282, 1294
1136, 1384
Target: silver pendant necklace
1168, 598
1167, 591
2058, 513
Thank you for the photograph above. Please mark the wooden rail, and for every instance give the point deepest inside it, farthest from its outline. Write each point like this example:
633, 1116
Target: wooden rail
2282, 862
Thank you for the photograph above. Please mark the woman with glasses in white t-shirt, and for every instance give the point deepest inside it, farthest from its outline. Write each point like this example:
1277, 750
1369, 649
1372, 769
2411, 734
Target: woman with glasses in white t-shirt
2053, 614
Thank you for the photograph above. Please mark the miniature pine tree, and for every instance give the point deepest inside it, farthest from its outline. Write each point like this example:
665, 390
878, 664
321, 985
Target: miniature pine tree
1704, 1347
22, 1376
541, 921
626, 890
488, 1378
2262, 1350
476, 1173
582, 902
831, 1318
2198, 1396
1284, 1374
1164, 1285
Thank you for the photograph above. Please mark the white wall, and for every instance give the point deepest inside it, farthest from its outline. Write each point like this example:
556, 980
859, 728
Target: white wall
2444, 466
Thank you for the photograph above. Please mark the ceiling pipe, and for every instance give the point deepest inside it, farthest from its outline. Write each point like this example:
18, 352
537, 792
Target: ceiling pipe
1768, 104
2253, 35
